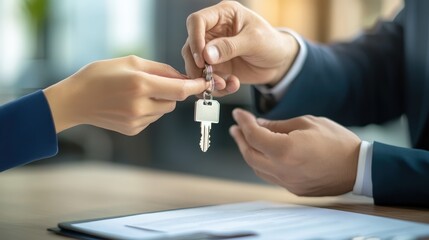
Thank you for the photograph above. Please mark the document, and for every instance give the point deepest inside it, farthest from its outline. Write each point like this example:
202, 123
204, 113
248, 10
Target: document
249, 221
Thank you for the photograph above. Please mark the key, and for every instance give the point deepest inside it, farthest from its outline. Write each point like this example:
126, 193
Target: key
206, 112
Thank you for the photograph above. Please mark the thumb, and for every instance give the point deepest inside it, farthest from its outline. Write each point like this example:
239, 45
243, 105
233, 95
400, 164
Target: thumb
220, 50
195, 86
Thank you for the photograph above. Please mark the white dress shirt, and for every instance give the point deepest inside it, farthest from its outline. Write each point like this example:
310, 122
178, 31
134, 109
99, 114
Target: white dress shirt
363, 183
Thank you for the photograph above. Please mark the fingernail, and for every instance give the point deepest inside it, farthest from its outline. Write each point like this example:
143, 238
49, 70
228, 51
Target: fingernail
213, 53
261, 121
235, 113
196, 58
232, 129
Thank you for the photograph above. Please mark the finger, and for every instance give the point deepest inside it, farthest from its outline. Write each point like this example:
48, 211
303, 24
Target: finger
223, 49
204, 20
259, 137
220, 85
232, 84
153, 67
253, 157
197, 27
173, 88
286, 126
192, 70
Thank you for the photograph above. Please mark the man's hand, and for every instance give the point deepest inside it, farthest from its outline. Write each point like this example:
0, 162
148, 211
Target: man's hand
309, 156
240, 44
123, 94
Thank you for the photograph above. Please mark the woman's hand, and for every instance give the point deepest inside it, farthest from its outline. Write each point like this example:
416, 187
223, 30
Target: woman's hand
124, 94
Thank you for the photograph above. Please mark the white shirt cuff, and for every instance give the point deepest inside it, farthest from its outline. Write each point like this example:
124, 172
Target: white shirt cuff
363, 184
279, 90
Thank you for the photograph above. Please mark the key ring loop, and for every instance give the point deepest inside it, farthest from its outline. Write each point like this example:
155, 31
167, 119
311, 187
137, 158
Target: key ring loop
208, 75
207, 97
208, 72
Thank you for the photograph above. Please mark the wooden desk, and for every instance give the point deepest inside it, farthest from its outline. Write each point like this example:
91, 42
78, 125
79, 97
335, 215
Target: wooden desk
35, 198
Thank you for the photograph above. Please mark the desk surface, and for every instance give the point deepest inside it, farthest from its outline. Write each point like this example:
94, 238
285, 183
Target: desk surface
35, 198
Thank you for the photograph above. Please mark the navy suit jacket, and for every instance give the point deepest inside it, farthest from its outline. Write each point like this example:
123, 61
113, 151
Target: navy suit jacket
27, 131
381, 75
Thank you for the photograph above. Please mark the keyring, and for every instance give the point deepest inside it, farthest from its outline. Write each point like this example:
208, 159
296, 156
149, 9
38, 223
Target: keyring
207, 97
208, 72
208, 75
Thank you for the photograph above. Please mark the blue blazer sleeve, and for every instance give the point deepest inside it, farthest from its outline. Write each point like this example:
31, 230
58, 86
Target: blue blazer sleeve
400, 176
353, 83
27, 131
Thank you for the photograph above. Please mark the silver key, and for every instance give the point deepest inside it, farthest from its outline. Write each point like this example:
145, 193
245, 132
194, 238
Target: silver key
206, 112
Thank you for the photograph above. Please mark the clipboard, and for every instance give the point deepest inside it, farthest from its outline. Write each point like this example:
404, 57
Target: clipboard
69, 229
247, 220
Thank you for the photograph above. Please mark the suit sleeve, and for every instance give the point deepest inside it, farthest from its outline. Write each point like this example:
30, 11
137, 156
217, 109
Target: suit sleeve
353, 83
27, 131
400, 176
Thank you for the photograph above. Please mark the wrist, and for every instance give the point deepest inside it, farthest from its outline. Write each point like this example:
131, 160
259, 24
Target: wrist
291, 47
60, 103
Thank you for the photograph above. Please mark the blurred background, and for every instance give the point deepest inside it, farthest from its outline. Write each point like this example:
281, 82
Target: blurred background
44, 41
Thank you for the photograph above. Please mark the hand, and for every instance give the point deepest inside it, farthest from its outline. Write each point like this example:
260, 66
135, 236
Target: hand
123, 94
309, 156
240, 45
